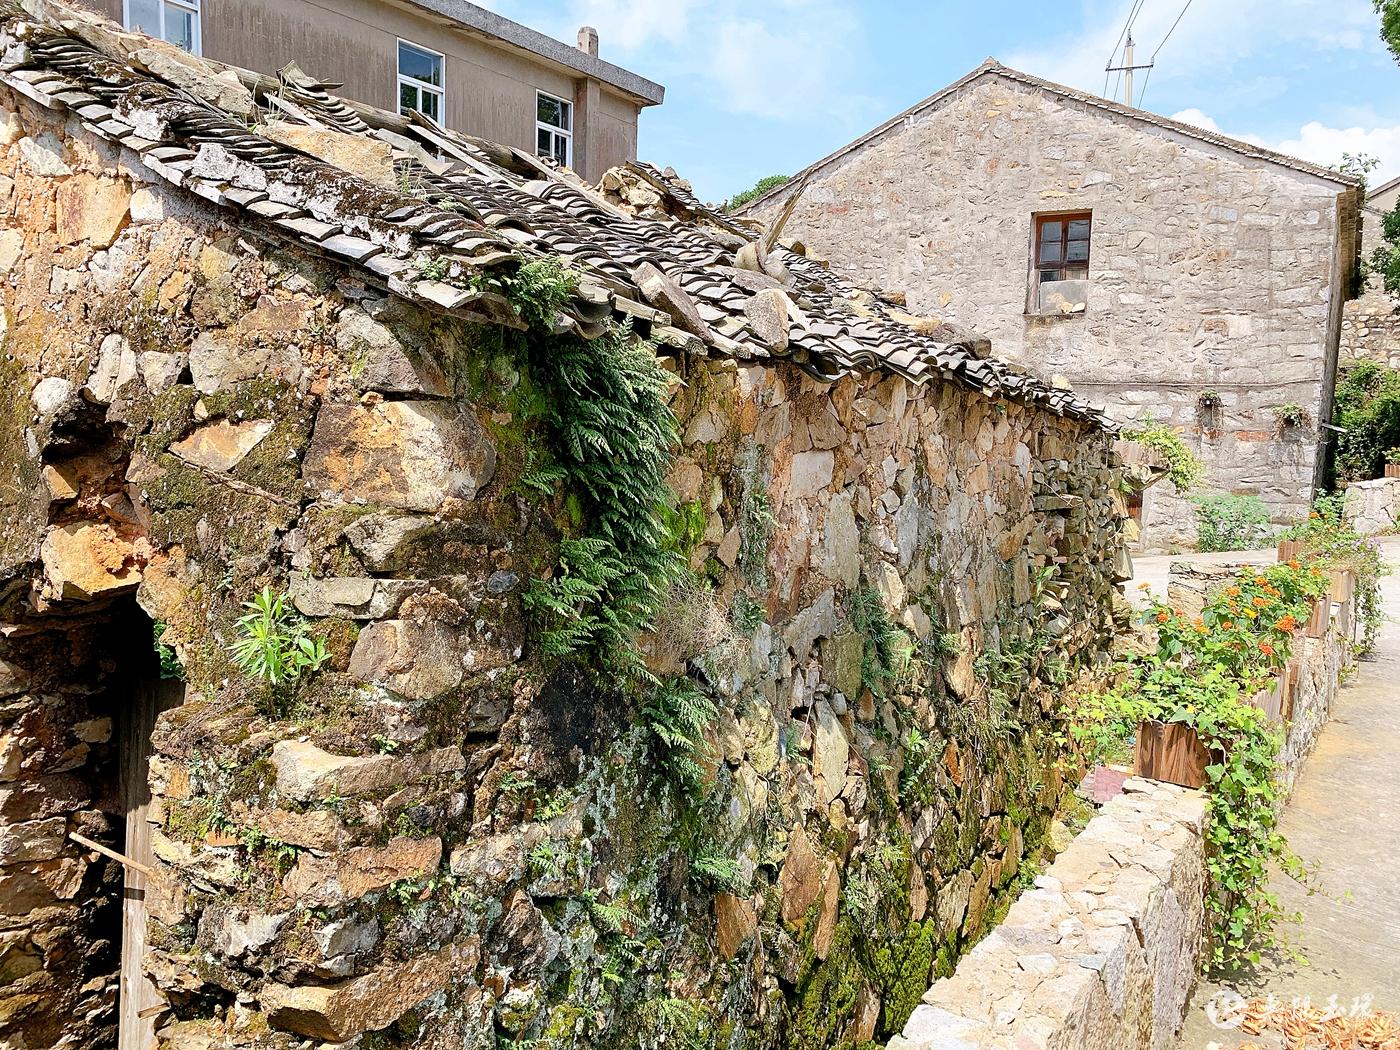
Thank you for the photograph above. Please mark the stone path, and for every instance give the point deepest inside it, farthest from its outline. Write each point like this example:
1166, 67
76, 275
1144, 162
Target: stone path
1345, 817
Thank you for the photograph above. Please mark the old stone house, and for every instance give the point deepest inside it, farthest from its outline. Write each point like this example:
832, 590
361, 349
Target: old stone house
325, 356
1159, 268
1371, 325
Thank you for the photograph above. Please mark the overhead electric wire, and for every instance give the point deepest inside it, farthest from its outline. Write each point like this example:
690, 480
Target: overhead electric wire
1127, 28
1148, 78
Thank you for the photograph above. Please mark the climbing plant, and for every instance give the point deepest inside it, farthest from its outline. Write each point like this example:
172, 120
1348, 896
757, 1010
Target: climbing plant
1368, 413
1184, 470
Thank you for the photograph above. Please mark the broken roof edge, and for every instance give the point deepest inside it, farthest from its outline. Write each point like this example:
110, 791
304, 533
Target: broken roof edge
479, 19
1115, 109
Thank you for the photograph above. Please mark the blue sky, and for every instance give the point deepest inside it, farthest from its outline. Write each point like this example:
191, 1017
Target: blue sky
757, 87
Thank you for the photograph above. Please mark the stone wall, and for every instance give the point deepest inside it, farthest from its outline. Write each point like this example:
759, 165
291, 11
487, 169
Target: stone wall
1209, 271
443, 837
1372, 508
1371, 325
1102, 952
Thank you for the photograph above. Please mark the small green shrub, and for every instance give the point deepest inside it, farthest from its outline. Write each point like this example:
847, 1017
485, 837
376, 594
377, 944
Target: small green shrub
762, 186
171, 669
1184, 470
677, 714
539, 289
274, 645
1230, 523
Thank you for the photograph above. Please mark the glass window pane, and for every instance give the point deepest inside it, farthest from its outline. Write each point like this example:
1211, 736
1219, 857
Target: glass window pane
1077, 272
544, 141
1049, 275
180, 27
550, 111
1079, 230
1050, 252
566, 116
408, 97
432, 105
420, 65
561, 149
144, 15
1078, 251
1051, 231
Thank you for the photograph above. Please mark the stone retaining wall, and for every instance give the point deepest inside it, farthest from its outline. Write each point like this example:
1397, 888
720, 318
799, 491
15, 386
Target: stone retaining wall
1373, 507
1101, 952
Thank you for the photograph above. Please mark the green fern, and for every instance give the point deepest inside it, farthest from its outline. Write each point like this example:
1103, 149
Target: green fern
677, 715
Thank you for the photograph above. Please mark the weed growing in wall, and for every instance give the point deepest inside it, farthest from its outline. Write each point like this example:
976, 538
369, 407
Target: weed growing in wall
676, 714
274, 645
1230, 523
171, 670
887, 659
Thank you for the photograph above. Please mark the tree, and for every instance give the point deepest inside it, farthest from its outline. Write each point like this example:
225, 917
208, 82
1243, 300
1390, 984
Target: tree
763, 186
1389, 10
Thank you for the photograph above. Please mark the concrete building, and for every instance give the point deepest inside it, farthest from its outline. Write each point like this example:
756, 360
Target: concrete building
1161, 269
463, 66
1371, 326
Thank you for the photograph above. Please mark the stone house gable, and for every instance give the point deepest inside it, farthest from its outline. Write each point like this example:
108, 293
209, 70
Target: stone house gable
1215, 267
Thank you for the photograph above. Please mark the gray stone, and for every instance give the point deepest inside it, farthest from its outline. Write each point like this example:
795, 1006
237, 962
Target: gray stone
218, 362
14, 679
53, 395
116, 366
358, 598
243, 931
162, 370
665, 294
32, 840
811, 473
414, 455
767, 313
381, 539
818, 620
43, 155
830, 754
840, 554
379, 361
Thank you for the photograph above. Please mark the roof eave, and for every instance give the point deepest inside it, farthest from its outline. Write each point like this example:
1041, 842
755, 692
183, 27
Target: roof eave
477, 19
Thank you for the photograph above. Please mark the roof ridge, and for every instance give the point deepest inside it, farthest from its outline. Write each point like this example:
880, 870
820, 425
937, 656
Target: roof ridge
992, 66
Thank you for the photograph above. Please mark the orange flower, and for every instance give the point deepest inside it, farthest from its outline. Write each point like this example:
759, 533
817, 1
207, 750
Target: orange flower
1231, 591
1234, 607
1228, 625
1259, 581
1200, 626
1295, 564
1286, 623
1266, 648
1163, 617
1144, 586
1260, 601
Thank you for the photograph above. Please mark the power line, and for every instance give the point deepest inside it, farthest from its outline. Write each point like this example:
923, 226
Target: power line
1163, 44
1127, 28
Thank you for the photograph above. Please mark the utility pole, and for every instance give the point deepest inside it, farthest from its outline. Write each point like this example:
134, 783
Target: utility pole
1127, 69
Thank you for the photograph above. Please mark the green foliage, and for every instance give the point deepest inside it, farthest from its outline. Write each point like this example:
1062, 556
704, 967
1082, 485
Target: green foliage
612, 431
431, 268
746, 614
1368, 411
1389, 10
539, 289
916, 788
171, 670
756, 522
1358, 165
1230, 523
717, 872
759, 188
676, 714
1184, 470
1291, 414
1199, 675
887, 659
273, 643
672, 1022
1331, 543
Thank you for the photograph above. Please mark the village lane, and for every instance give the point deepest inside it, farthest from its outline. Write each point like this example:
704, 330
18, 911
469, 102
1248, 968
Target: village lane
1342, 820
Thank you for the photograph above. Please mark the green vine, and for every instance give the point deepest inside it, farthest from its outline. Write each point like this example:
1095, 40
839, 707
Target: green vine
1183, 468
1201, 674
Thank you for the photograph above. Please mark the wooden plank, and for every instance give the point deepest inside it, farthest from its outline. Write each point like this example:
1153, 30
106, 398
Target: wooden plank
138, 1001
1320, 619
1171, 752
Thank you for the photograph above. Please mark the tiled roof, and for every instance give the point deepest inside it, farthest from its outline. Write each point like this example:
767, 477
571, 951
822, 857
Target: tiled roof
462, 208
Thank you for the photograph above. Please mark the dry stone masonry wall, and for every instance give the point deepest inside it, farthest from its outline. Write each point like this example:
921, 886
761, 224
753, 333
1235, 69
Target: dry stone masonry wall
1210, 272
443, 839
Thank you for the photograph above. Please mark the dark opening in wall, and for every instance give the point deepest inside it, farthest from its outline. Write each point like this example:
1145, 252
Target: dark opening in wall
85, 688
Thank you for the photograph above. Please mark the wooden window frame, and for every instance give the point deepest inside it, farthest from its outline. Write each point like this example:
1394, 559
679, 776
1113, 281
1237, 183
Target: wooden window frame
1081, 269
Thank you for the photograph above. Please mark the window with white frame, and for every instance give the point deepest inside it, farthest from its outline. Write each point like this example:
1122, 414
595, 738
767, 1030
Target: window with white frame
420, 81
554, 128
174, 20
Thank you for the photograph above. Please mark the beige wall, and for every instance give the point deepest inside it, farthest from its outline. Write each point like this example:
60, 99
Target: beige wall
1209, 271
490, 91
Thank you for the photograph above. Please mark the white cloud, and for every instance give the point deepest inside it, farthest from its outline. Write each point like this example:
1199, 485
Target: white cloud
784, 60
1318, 143
1213, 37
